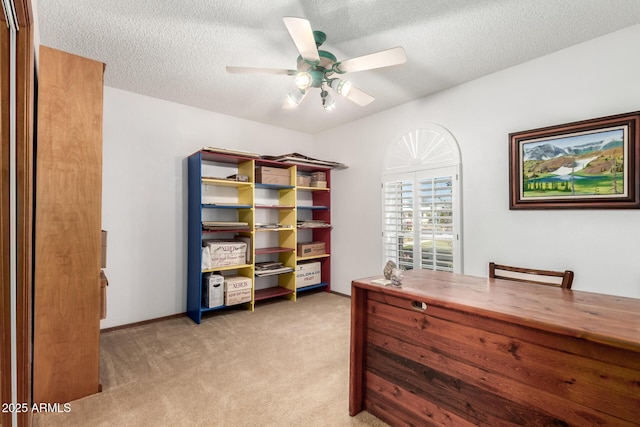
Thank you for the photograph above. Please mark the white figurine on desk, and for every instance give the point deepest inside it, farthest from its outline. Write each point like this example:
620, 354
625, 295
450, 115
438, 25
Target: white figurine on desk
392, 275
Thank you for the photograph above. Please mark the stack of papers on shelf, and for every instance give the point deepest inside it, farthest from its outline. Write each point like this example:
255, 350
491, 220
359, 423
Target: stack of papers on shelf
271, 268
225, 225
271, 226
219, 178
226, 204
313, 223
233, 152
301, 159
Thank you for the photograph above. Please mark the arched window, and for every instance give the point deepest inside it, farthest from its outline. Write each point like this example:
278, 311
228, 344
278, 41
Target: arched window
421, 201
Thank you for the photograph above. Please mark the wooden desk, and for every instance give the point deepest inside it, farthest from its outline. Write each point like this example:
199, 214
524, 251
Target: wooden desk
449, 349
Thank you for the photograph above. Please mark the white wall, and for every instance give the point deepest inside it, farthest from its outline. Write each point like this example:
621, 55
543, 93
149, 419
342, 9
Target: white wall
146, 142
594, 79
144, 202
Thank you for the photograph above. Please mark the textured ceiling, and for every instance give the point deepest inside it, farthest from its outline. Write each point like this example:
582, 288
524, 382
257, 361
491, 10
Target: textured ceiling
178, 50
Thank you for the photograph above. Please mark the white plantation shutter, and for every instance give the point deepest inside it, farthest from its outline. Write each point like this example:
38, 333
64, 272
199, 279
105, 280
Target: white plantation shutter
420, 220
398, 232
436, 222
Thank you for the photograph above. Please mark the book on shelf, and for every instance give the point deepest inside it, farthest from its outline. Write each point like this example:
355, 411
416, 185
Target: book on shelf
269, 268
225, 225
313, 223
273, 271
219, 178
271, 226
268, 264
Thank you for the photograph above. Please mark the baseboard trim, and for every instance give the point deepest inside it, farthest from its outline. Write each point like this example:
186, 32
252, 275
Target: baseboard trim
340, 294
144, 322
173, 316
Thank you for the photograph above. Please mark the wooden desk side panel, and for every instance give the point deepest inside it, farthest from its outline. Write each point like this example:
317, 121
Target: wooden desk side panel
356, 362
446, 367
68, 223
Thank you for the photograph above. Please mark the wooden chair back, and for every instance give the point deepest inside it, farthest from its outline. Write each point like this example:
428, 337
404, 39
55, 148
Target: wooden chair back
559, 279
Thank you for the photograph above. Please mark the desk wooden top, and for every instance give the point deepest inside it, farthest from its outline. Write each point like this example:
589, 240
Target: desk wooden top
606, 319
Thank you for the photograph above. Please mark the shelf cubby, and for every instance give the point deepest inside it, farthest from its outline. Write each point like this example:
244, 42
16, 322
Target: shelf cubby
272, 292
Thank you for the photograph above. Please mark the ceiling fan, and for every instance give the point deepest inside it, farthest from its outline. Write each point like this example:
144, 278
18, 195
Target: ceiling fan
318, 68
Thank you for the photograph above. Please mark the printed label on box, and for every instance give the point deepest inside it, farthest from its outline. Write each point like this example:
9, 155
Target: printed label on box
234, 283
307, 274
276, 176
310, 249
226, 253
237, 297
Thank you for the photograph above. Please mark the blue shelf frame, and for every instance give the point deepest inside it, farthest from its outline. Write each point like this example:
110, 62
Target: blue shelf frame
213, 206
194, 235
314, 208
310, 287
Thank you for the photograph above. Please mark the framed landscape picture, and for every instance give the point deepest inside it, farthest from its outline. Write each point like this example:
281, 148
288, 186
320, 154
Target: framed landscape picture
588, 164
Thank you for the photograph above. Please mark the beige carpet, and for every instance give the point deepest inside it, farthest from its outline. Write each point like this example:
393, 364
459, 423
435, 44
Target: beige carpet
285, 364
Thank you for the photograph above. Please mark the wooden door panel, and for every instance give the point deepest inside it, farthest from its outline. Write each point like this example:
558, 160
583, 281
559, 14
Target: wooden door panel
68, 222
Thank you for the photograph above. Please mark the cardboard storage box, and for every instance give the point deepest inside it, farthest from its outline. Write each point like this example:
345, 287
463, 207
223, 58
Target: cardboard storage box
237, 297
307, 274
213, 290
303, 180
319, 184
311, 249
224, 253
269, 175
237, 290
318, 176
234, 283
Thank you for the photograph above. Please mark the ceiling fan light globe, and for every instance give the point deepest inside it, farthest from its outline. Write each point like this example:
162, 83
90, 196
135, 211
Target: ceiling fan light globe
289, 102
303, 80
345, 88
328, 102
295, 97
342, 87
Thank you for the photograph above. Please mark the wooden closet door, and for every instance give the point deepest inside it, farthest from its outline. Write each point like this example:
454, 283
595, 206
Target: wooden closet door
23, 183
67, 233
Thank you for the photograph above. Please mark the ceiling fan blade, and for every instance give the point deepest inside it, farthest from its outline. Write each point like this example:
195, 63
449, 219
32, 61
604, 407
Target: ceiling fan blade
302, 35
249, 70
359, 97
384, 58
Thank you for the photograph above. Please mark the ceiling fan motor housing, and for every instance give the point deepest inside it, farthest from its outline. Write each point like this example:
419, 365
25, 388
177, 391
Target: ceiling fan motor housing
320, 70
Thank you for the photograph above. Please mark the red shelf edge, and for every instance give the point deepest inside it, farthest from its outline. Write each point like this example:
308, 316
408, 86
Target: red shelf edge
276, 291
275, 250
